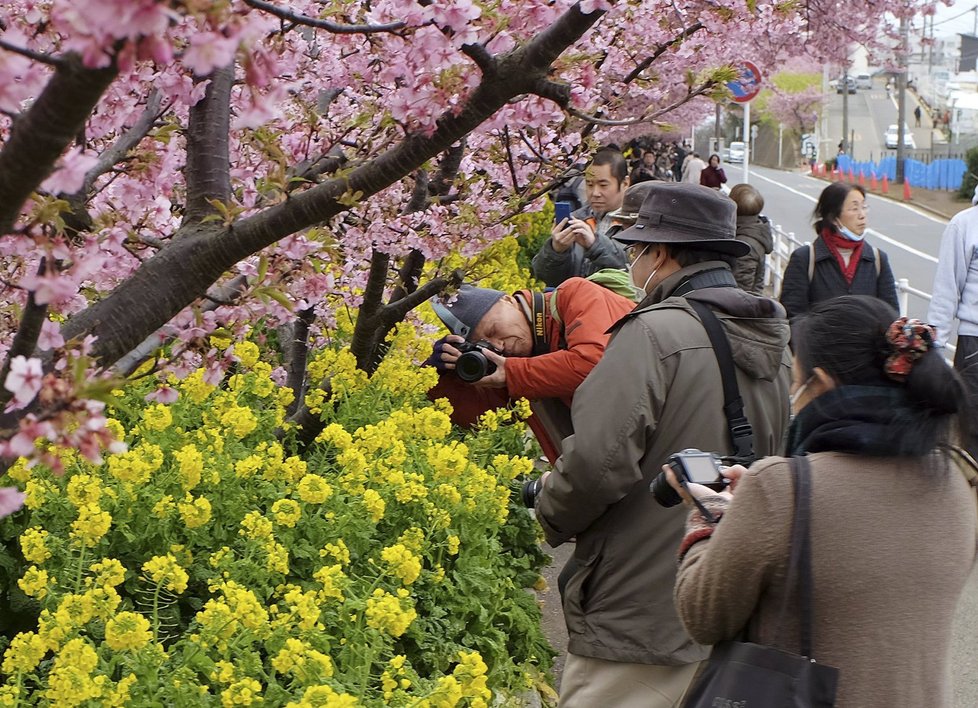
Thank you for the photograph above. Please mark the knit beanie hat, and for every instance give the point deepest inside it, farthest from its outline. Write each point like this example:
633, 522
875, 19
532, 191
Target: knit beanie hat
463, 314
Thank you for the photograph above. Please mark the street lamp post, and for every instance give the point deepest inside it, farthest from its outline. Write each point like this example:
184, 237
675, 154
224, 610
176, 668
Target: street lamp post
901, 103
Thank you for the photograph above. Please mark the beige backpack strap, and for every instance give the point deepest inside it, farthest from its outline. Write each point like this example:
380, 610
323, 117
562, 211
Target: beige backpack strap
876, 251
811, 263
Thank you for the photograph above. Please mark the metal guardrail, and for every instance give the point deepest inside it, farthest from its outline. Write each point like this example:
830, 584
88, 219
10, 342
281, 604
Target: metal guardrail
785, 242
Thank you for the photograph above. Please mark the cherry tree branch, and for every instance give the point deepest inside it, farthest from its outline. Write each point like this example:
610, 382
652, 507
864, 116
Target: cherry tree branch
31, 54
126, 142
208, 167
162, 285
660, 50
298, 357
646, 118
45, 130
327, 25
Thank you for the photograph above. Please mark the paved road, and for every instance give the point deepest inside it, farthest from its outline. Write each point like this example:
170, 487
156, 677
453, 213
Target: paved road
911, 238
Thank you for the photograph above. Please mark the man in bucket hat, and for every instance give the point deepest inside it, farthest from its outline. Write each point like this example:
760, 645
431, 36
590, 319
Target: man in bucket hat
657, 390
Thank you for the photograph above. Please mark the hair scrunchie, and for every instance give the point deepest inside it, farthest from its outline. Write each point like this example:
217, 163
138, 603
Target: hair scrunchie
908, 340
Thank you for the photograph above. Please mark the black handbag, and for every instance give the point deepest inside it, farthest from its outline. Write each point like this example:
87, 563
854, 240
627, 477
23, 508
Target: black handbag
742, 674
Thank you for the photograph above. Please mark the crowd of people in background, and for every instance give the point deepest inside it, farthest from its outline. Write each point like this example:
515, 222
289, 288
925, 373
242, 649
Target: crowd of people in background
654, 335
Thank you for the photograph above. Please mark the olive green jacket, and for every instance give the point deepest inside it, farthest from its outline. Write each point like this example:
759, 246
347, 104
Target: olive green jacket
656, 391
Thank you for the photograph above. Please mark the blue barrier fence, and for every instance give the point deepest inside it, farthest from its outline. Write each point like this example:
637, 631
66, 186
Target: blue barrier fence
939, 174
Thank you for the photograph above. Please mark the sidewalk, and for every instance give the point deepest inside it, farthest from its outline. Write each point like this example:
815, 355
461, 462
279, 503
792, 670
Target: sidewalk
936, 201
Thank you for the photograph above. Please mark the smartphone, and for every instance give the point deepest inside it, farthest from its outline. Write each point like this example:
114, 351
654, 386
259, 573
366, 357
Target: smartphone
697, 467
562, 210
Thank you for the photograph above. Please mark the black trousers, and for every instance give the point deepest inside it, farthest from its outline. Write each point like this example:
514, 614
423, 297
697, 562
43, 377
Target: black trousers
966, 363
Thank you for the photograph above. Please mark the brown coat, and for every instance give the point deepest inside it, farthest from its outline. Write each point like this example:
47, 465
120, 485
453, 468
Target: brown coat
893, 543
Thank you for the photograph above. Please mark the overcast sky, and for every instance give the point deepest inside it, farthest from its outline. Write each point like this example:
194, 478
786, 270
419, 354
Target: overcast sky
960, 17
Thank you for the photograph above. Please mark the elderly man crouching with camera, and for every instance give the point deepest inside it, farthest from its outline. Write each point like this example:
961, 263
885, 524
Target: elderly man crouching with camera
538, 346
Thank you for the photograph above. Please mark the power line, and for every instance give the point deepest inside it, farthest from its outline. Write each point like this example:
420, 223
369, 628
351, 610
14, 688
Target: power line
951, 19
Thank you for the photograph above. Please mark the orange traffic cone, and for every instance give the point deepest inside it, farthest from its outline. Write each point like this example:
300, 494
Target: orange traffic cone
906, 189
873, 185
885, 185
862, 179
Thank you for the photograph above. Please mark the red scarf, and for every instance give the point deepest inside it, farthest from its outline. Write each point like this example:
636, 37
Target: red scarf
836, 242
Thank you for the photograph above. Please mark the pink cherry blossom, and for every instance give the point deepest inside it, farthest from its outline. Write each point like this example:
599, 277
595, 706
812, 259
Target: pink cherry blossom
50, 337
24, 380
209, 51
164, 394
11, 500
68, 178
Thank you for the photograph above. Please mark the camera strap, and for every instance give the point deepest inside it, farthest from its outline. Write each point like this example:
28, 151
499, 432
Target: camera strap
538, 323
741, 432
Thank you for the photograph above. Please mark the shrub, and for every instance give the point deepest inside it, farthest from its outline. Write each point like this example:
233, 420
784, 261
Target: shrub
208, 565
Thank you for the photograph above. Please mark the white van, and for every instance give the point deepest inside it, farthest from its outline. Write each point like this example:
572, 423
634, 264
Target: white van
736, 154
864, 81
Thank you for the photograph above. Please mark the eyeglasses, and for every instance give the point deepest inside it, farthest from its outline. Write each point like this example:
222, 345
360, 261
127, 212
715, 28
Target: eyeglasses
633, 252
856, 208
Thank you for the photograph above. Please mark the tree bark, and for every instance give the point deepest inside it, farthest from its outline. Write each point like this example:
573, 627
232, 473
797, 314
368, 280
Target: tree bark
39, 136
208, 167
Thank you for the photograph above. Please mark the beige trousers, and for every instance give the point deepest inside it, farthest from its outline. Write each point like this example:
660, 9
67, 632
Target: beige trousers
597, 683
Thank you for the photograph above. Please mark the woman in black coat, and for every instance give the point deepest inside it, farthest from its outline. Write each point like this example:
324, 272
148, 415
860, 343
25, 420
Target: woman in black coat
844, 264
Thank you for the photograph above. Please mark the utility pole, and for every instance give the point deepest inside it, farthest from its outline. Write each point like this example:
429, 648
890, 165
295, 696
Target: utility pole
845, 111
902, 100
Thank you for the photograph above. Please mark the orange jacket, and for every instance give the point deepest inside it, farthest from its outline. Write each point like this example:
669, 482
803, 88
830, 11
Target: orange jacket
587, 311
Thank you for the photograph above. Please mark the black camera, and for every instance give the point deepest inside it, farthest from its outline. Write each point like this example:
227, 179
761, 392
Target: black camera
530, 492
690, 466
472, 364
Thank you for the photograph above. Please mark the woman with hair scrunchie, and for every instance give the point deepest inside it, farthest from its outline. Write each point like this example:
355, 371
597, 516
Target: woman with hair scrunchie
894, 523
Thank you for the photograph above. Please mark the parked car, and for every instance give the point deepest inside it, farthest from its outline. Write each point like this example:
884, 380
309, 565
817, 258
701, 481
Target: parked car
845, 81
736, 154
892, 137
864, 81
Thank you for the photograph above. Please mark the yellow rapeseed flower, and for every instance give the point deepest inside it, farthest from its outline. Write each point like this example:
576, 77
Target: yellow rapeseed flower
385, 613
24, 653
92, 523
255, 526
190, 465
247, 353
321, 696
195, 512
35, 582
84, 489
165, 571
108, 571
374, 504
128, 631
246, 692
239, 420
313, 489
33, 544
157, 417
402, 563
287, 512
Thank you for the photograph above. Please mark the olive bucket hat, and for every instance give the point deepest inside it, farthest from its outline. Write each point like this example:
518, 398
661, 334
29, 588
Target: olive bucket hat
632, 202
686, 215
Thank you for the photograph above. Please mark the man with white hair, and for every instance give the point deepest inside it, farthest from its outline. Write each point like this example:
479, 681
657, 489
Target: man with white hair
956, 298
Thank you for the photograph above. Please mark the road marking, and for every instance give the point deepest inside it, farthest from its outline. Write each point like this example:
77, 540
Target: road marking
874, 232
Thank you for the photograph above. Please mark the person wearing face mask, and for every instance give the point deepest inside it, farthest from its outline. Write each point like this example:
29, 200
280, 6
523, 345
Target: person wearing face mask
893, 522
544, 364
657, 390
839, 261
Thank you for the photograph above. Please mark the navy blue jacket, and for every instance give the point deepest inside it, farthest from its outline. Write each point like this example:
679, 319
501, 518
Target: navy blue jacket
798, 294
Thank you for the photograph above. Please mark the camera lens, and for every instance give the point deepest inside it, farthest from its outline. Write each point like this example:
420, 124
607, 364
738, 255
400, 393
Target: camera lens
663, 491
472, 366
531, 490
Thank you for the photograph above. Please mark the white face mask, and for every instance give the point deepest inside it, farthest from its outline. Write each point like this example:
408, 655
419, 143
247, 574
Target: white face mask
797, 394
631, 273
848, 233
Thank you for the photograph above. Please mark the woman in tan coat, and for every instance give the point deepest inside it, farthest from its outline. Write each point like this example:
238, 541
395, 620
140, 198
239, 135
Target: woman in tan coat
893, 519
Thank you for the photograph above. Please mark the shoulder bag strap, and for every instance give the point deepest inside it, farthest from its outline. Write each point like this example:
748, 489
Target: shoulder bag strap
741, 432
965, 463
800, 557
811, 263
